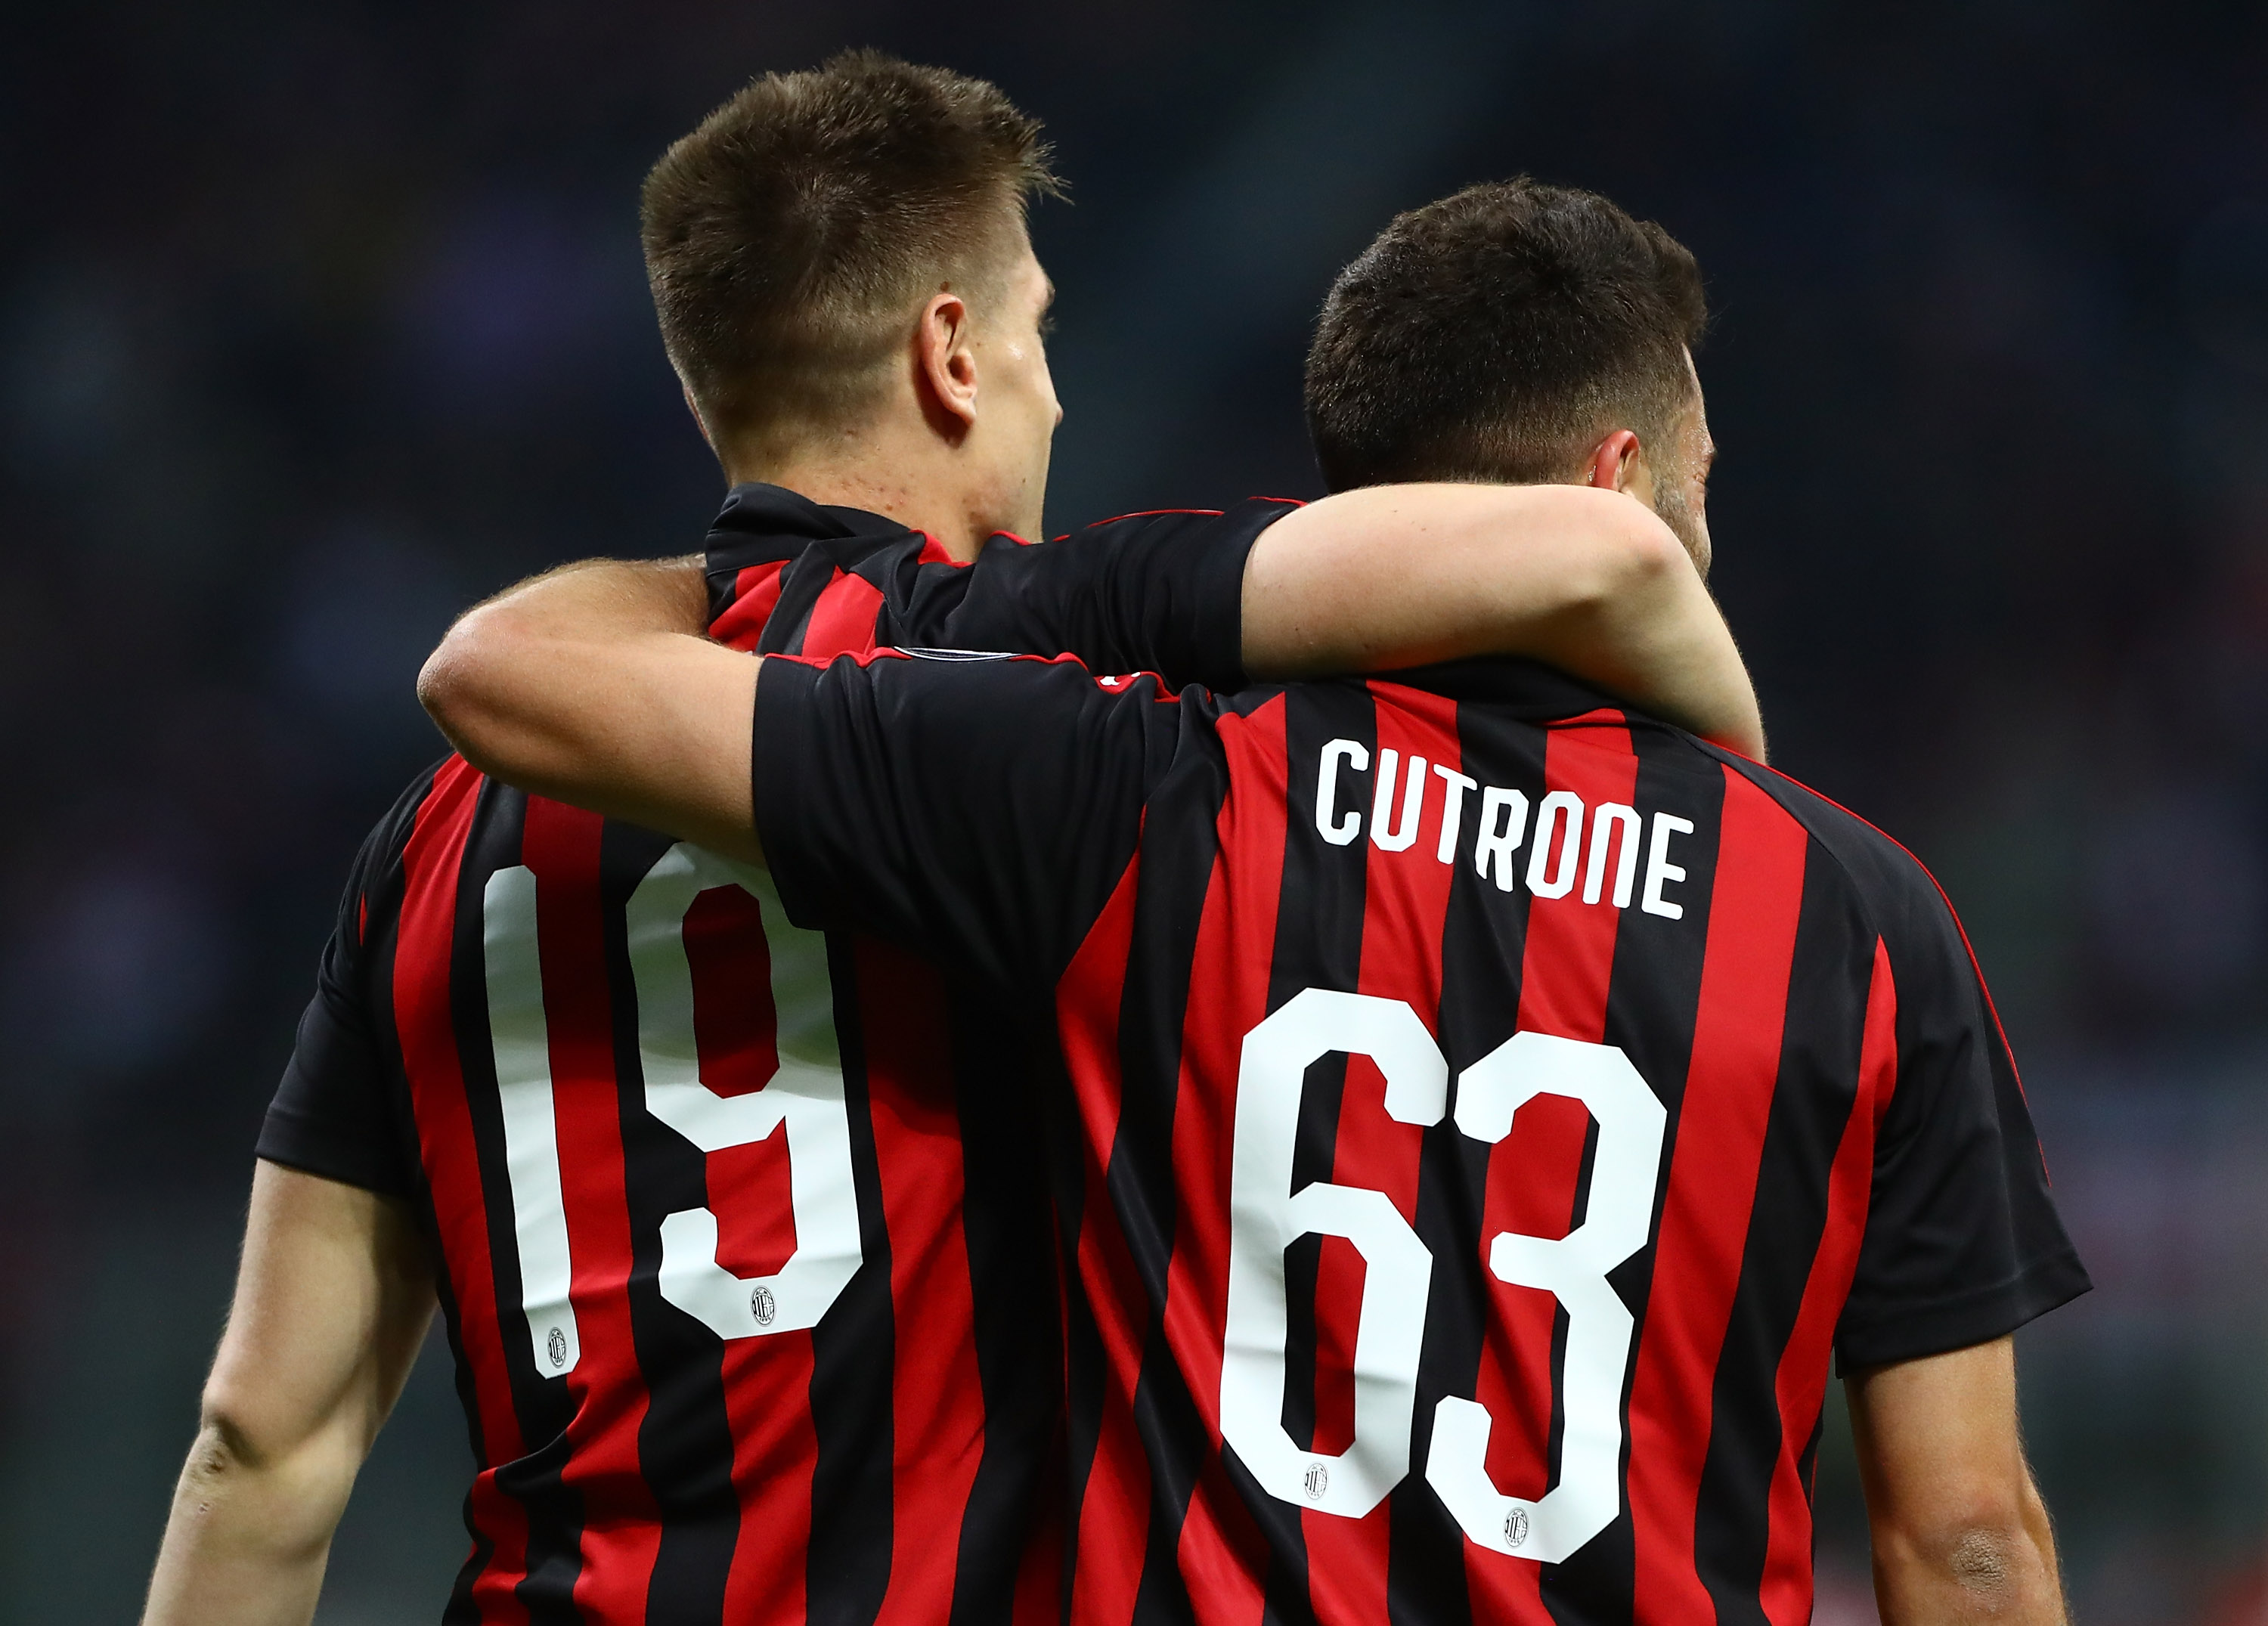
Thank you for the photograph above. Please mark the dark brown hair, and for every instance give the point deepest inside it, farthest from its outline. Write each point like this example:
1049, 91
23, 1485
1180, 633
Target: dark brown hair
789, 238
1497, 335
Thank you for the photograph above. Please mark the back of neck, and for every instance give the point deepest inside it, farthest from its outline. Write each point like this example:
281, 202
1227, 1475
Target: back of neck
878, 485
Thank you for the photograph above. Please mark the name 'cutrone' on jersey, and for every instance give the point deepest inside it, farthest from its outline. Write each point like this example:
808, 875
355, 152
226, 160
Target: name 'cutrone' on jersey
739, 1227
1486, 1113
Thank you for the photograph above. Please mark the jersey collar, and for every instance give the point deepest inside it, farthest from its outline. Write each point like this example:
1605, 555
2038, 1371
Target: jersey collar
1523, 688
762, 523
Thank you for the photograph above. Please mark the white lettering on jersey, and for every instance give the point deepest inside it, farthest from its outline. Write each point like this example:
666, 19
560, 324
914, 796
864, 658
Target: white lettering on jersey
1327, 824
1660, 869
1570, 841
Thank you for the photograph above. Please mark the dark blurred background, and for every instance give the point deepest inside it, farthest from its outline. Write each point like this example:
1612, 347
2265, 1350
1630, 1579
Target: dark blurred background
317, 323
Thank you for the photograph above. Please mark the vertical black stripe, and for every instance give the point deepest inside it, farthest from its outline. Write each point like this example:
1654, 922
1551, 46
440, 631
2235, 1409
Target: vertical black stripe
1653, 1001
685, 1441
1812, 1098
1012, 1304
853, 1354
555, 1510
1180, 845
1319, 922
802, 582
1484, 942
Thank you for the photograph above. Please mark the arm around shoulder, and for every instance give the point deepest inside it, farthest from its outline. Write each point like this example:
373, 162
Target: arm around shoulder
594, 685
1585, 580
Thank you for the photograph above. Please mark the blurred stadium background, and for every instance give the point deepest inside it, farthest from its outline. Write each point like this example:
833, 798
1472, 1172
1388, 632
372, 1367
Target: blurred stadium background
318, 323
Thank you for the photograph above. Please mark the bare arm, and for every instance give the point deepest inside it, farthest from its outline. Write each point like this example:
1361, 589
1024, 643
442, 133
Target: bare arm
1587, 581
593, 684
332, 1302
1959, 1530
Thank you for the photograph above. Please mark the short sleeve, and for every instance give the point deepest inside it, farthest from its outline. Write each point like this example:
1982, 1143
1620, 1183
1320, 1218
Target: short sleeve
1963, 1242
333, 1114
980, 810
1160, 593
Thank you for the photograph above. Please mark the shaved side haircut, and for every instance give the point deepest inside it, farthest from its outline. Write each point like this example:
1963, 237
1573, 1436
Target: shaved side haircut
791, 239
1498, 335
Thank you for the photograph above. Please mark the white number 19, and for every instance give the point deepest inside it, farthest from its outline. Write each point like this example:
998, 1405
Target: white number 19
804, 1096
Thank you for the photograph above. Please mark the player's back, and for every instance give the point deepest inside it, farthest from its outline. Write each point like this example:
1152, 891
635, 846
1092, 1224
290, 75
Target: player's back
1551, 1094
728, 1348
743, 1237
732, 1343
1490, 1111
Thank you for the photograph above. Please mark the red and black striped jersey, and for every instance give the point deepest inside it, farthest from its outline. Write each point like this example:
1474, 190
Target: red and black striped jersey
741, 1230
1488, 1111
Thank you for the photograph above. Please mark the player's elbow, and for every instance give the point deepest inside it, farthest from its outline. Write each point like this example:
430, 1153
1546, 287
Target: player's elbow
467, 680
1980, 1549
244, 1432
286, 1489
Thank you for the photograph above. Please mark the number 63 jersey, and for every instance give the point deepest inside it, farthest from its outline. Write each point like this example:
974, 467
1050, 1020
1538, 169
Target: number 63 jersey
1485, 1113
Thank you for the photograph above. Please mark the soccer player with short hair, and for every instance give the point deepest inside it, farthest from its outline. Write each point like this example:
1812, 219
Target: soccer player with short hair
739, 1228
1484, 1110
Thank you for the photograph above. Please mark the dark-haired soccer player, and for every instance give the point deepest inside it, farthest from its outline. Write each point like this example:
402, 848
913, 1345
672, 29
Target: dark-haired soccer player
739, 1228
1485, 1108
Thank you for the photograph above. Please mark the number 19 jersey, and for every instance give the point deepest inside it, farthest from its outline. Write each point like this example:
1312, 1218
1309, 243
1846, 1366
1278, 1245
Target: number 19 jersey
742, 1238
1485, 1111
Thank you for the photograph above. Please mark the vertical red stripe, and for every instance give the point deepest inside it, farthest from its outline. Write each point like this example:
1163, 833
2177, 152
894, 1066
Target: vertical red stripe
1785, 1593
768, 1405
756, 595
424, 1021
842, 621
622, 1532
1114, 1511
1565, 969
767, 1378
937, 1392
1222, 1557
1753, 910
1406, 904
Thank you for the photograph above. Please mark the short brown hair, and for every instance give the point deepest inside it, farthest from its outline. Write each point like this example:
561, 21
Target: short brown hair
788, 237
1496, 335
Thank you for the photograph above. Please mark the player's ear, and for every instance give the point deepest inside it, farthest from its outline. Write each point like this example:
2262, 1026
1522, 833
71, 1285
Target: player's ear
1617, 463
945, 364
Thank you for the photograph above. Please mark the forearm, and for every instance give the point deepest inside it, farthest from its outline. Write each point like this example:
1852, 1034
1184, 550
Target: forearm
247, 1542
2041, 1531
1587, 581
508, 683
595, 686
1659, 640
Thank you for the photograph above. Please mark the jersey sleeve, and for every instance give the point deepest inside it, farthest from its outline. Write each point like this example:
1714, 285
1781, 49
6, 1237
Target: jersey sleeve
980, 810
1160, 593
333, 1113
1963, 1242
